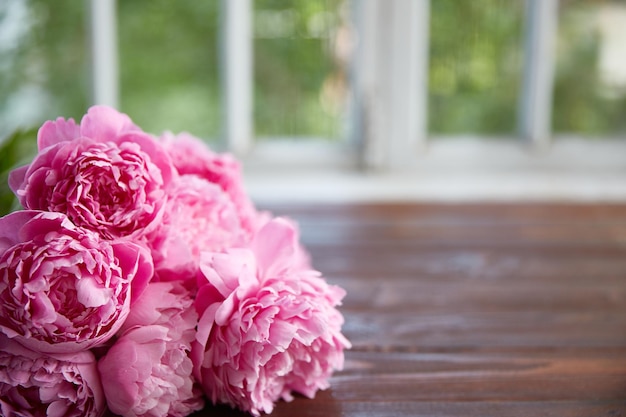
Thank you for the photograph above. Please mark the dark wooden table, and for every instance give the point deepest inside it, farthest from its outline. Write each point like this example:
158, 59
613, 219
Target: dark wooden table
472, 310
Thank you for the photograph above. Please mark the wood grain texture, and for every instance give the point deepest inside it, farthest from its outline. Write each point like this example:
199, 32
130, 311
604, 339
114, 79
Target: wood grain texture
472, 310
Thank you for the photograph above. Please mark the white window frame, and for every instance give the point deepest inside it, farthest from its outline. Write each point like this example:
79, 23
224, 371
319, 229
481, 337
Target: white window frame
390, 155
104, 52
535, 107
237, 78
393, 86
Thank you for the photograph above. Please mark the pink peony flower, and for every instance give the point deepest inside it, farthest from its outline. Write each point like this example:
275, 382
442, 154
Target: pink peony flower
267, 326
199, 216
148, 371
62, 288
36, 385
105, 174
191, 156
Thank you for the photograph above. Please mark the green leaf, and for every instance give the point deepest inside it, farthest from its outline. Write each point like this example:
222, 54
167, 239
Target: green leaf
17, 149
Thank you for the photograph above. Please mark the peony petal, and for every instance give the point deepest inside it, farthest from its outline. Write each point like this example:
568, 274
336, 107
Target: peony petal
148, 369
137, 266
120, 376
275, 245
64, 290
92, 294
155, 150
275, 333
44, 222
191, 156
228, 271
42, 310
207, 295
48, 385
105, 124
10, 226
61, 130
205, 324
145, 334
174, 260
16, 179
225, 310
57, 409
145, 310
110, 177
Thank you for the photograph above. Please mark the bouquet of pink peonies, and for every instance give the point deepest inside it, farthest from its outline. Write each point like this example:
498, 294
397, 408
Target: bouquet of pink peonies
139, 279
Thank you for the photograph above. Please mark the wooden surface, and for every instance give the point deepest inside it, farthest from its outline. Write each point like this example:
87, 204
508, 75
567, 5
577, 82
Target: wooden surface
472, 310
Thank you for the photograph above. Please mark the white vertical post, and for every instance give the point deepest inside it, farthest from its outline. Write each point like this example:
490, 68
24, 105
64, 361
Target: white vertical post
365, 107
104, 60
237, 73
409, 81
391, 80
535, 112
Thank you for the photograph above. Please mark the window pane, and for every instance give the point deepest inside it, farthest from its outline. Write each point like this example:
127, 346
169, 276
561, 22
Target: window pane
300, 67
590, 85
475, 66
43, 62
168, 65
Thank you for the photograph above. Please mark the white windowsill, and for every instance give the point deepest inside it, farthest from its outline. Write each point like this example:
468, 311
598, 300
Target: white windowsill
451, 170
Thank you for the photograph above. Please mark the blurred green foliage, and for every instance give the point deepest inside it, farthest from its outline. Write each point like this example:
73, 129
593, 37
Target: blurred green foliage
18, 149
169, 67
475, 65
44, 56
583, 103
297, 75
169, 64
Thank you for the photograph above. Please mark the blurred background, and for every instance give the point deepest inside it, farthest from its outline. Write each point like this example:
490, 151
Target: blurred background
314, 115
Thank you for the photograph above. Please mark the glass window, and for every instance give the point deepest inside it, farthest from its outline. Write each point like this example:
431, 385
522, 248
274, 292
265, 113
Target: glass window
475, 66
300, 60
169, 65
44, 67
590, 82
